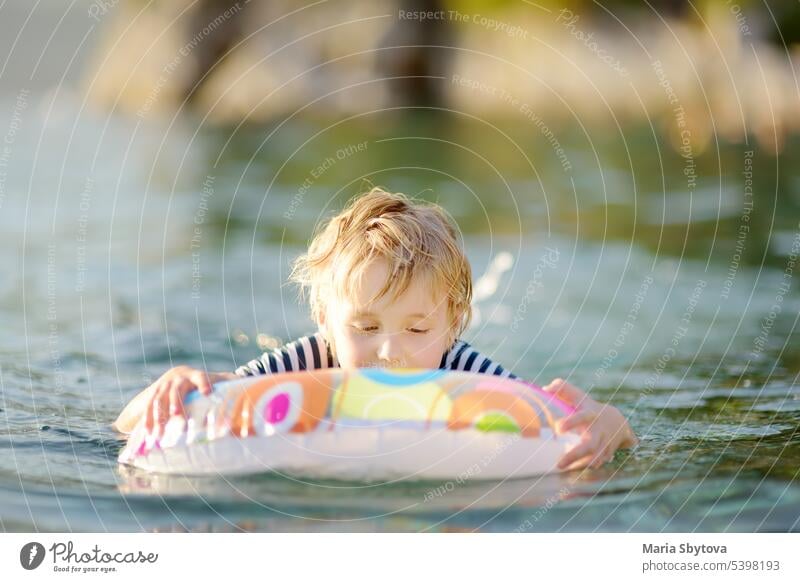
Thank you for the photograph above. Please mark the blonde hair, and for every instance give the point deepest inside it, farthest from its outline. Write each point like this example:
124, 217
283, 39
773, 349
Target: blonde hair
417, 239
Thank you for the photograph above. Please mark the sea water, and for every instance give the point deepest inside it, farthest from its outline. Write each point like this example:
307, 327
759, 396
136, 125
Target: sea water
130, 249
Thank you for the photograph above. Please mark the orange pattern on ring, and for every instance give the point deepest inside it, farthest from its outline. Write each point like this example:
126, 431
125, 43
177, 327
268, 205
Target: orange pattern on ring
317, 390
468, 407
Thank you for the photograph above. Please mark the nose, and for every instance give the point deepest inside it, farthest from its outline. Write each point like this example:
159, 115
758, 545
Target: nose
389, 350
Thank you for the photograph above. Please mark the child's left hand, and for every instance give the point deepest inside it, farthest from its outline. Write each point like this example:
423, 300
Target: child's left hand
604, 428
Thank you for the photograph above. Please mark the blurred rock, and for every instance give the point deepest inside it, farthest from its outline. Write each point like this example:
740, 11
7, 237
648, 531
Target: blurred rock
707, 75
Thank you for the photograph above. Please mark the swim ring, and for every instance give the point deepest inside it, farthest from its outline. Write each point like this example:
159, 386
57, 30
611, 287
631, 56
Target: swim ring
366, 424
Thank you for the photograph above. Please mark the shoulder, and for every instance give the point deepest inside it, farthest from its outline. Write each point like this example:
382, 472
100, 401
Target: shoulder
310, 352
452, 357
462, 356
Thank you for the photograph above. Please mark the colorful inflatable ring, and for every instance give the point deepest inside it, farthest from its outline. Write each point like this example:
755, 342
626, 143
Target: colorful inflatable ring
368, 424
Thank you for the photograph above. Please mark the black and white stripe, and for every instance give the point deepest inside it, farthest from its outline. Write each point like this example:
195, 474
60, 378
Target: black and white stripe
463, 357
313, 353
307, 353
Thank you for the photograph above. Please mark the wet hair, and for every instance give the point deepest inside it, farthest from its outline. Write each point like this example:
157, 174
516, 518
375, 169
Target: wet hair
417, 239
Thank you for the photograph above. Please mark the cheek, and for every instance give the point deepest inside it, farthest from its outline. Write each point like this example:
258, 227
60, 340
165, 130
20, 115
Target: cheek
429, 359
351, 349
427, 353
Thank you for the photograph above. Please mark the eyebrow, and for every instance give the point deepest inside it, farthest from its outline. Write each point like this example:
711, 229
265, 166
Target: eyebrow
370, 314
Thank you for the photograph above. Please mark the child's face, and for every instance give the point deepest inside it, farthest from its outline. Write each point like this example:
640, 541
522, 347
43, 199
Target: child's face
409, 331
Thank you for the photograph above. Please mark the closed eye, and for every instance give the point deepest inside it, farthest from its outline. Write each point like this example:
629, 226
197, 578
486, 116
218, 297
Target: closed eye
415, 330
365, 329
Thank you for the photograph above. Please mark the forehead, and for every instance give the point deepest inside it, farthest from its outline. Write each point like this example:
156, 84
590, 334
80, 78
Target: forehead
420, 297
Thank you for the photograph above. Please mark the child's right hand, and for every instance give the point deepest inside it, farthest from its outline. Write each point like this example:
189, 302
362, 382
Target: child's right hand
167, 393
164, 397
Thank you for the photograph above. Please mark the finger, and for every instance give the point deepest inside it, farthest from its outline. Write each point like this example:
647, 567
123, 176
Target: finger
155, 416
153, 407
627, 438
153, 390
202, 381
581, 463
604, 459
176, 398
593, 460
152, 414
566, 391
161, 415
582, 449
584, 418
600, 459
148, 415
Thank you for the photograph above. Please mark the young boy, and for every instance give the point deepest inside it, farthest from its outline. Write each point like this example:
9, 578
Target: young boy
389, 286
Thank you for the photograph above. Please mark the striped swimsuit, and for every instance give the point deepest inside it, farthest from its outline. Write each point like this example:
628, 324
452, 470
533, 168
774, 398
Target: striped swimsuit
313, 353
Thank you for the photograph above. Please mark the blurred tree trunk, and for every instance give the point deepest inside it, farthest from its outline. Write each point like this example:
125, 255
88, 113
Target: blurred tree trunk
414, 66
673, 8
226, 33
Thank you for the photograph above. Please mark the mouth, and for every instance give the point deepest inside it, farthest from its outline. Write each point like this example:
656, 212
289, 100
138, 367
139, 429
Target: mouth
385, 364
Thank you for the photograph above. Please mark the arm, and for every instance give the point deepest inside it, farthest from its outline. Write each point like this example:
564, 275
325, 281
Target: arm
133, 411
306, 353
